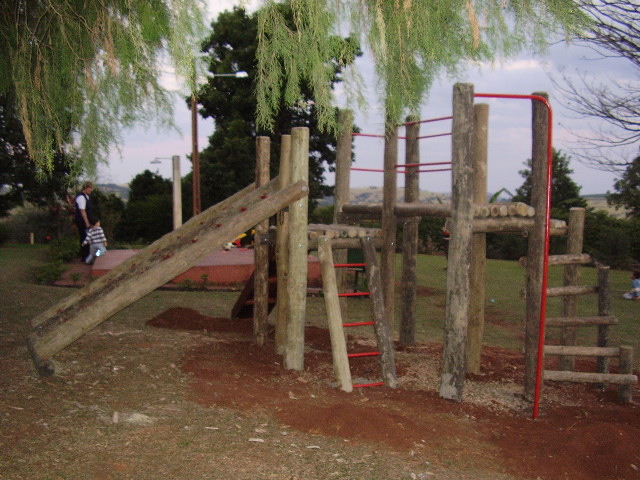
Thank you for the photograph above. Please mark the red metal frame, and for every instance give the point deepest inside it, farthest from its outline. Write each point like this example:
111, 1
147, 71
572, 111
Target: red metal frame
358, 324
429, 120
547, 237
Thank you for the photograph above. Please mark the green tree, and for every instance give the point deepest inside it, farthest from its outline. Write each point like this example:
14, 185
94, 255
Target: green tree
81, 70
18, 173
149, 212
412, 42
109, 208
565, 193
627, 190
228, 163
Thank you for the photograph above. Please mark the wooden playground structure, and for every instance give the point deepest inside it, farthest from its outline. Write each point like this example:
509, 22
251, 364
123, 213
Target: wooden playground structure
469, 218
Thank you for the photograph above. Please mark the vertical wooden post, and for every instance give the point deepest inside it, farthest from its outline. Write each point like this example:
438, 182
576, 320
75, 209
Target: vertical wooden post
575, 237
298, 258
536, 244
334, 315
389, 221
342, 191
381, 321
604, 309
261, 250
410, 235
458, 270
479, 242
282, 249
343, 162
625, 391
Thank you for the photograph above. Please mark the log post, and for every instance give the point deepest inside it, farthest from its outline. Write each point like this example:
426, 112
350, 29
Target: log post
479, 241
343, 163
604, 309
342, 190
381, 321
389, 219
282, 249
536, 244
459, 264
298, 258
575, 237
261, 250
625, 391
410, 235
334, 315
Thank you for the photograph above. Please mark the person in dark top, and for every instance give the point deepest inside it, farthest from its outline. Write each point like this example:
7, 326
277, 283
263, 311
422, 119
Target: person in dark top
84, 212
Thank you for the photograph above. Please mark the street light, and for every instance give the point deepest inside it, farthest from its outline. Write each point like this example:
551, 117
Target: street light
177, 188
195, 153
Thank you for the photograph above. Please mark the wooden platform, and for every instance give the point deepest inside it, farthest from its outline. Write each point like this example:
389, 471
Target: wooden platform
224, 268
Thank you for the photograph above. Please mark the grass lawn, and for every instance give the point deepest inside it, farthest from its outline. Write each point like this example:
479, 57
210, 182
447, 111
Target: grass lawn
504, 306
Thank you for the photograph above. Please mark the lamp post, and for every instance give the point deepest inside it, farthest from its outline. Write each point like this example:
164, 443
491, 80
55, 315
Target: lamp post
177, 189
195, 153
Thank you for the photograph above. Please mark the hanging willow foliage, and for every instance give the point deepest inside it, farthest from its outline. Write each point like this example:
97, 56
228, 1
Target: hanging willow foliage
412, 41
80, 71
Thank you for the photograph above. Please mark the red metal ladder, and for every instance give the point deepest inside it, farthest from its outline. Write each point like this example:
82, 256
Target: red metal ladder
336, 326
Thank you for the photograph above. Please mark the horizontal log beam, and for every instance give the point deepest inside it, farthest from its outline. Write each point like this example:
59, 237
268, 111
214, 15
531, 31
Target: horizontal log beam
567, 259
571, 290
583, 377
576, 351
520, 225
580, 321
342, 243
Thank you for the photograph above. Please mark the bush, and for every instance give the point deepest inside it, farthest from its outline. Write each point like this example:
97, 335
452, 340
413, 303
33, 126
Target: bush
42, 222
64, 249
4, 234
50, 272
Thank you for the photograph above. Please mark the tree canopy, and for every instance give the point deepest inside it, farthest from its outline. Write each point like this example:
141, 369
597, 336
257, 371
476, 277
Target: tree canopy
18, 177
412, 41
614, 33
227, 164
80, 71
627, 190
565, 193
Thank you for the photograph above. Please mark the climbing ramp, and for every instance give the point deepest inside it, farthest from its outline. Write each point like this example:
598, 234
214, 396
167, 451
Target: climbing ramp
171, 255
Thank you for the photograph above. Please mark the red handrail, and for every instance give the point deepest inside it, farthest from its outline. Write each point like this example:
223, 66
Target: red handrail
547, 237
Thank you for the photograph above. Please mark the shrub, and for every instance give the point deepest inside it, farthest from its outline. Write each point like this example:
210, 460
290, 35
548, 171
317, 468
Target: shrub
64, 249
4, 233
50, 272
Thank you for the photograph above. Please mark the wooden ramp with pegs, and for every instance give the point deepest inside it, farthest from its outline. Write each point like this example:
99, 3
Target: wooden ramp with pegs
154, 266
341, 357
602, 352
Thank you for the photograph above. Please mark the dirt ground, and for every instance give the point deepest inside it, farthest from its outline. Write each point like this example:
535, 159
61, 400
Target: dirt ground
172, 393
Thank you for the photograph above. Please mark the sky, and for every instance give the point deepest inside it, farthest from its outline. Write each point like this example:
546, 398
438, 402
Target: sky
509, 122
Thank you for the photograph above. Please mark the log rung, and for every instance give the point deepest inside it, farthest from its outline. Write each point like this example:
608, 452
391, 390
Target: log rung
570, 259
580, 321
585, 377
581, 351
571, 290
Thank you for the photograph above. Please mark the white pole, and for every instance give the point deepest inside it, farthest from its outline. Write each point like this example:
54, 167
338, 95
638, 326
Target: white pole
177, 193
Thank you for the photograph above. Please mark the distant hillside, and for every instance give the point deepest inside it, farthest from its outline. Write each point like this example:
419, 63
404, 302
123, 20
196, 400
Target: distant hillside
120, 190
599, 202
